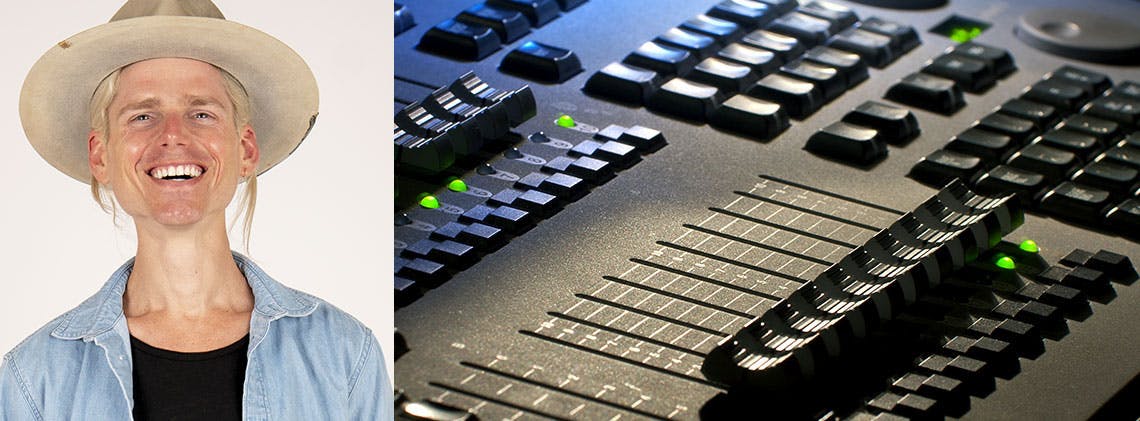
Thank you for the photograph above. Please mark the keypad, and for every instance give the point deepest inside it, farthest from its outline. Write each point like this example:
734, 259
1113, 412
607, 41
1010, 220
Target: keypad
1067, 146
747, 66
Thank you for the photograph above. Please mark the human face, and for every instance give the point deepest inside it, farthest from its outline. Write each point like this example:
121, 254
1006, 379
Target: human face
172, 153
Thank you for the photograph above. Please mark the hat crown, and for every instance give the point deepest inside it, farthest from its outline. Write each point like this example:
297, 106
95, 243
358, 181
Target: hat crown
143, 8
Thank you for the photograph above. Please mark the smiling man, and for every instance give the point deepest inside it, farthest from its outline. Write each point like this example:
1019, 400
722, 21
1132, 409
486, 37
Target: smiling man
183, 108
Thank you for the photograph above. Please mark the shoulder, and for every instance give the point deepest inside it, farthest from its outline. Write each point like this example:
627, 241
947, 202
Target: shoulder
42, 346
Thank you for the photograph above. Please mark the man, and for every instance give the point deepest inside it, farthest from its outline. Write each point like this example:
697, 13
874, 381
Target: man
174, 148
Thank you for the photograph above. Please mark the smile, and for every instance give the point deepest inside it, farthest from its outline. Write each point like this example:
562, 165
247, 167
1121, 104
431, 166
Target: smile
176, 172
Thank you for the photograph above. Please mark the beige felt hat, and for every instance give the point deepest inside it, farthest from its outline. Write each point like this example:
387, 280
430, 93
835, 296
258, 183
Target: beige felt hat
281, 87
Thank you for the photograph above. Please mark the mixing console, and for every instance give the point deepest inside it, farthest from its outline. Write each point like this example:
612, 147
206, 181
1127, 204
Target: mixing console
864, 209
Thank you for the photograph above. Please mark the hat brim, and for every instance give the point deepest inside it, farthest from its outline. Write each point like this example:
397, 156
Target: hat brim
54, 101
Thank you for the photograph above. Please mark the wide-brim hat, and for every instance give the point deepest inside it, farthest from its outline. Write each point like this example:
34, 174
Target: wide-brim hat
55, 99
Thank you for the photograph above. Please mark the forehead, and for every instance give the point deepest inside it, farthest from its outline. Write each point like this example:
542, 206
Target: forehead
170, 78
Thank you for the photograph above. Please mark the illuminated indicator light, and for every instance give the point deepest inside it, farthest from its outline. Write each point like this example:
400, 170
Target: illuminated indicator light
429, 202
965, 34
1005, 262
1028, 246
457, 185
565, 121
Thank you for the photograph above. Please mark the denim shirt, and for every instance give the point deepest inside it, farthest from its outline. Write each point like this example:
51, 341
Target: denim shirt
307, 360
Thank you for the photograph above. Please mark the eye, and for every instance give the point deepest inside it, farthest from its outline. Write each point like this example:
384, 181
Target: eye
141, 117
202, 115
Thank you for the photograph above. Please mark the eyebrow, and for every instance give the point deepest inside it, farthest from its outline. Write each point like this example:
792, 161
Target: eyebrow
194, 101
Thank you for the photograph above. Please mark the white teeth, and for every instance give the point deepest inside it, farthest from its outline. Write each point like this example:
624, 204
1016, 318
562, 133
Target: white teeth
188, 171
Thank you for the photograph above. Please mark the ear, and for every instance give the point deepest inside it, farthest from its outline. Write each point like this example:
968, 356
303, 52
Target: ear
97, 156
250, 153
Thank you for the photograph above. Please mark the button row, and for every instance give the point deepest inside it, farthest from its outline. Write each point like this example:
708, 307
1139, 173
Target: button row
482, 29
969, 67
862, 136
746, 66
1082, 167
796, 339
456, 120
510, 212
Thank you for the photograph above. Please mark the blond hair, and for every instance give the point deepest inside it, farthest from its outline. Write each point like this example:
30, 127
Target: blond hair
100, 122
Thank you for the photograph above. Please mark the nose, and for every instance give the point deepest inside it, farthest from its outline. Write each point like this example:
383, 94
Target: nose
173, 132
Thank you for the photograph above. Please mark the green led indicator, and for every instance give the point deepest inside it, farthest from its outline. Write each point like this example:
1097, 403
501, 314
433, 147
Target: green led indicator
457, 185
565, 121
965, 34
1028, 246
429, 202
1005, 262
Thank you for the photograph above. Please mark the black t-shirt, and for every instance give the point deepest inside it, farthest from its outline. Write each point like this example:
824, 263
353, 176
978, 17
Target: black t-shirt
187, 386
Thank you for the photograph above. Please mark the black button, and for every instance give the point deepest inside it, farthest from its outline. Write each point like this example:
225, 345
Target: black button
662, 59
698, 44
619, 154
539, 12
418, 249
403, 19
750, 116
785, 47
406, 291
686, 99
840, 17
534, 201
942, 165
999, 61
847, 143
1132, 140
590, 169
541, 62
927, 92
453, 254
982, 143
568, 5
903, 37
762, 62
875, 49
505, 217
1128, 89
1122, 153
430, 273
972, 75
723, 31
809, 30
798, 98
564, 186
1115, 265
724, 75
509, 24
1077, 257
1043, 116
908, 405
643, 138
623, 83
1117, 179
460, 40
1091, 82
1051, 162
1066, 97
827, 79
850, 65
1104, 130
1118, 108
1088, 280
777, 6
895, 125
483, 237
1021, 131
963, 368
1082, 144
748, 14
1076, 202
1004, 179
1125, 218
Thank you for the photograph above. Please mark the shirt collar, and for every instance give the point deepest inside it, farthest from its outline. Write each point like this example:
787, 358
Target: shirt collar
99, 313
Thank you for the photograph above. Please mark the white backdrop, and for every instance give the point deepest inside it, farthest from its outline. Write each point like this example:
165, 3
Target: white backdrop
323, 218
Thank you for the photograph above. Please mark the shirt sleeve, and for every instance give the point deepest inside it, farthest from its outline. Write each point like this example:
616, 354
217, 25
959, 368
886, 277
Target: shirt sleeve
370, 397
15, 404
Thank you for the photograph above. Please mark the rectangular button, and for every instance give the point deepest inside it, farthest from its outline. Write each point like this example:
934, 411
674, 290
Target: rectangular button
623, 83
827, 79
1082, 144
509, 24
1053, 163
927, 92
539, 12
874, 48
809, 30
983, 143
748, 14
1066, 97
800, 99
750, 116
850, 65
895, 125
726, 76
1118, 108
593, 170
1043, 116
686, 99
619, 154
1019, 130
840, 17
941, 166
460, 40
541, 62
1105, 131
903, 37
698, 44
1005, 179
972, 75
723, 31
1092, 83
785, 47
847, 143
999, 61
1117, 179
762, 62
661, 59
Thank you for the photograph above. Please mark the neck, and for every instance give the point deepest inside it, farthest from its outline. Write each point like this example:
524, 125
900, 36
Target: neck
185, 271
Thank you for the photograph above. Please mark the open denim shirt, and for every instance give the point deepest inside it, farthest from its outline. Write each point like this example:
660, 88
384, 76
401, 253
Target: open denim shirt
307, 359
